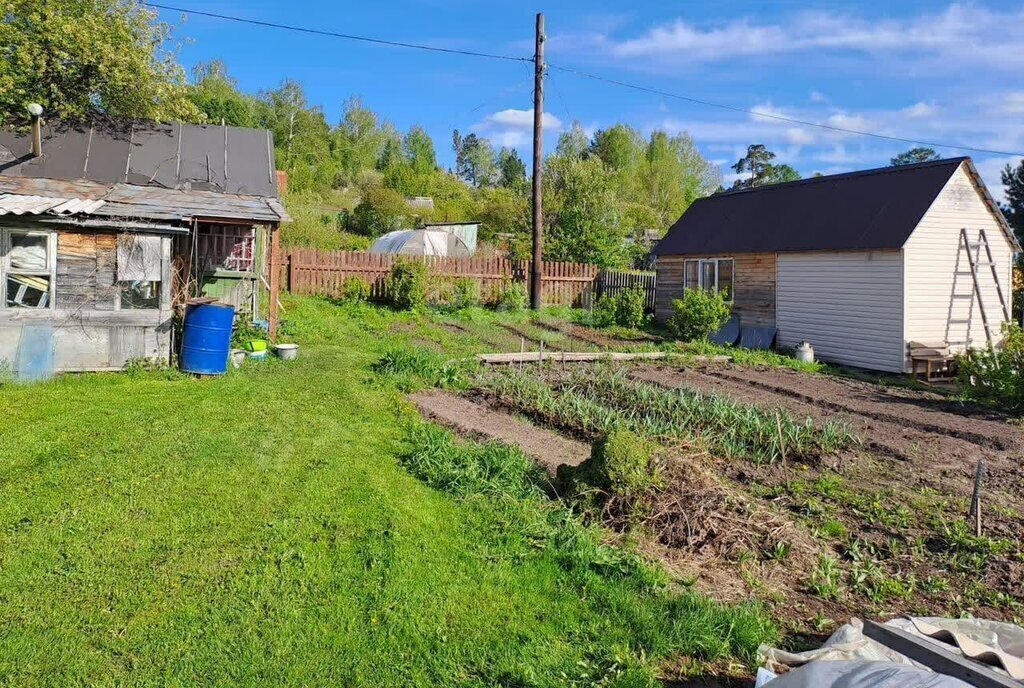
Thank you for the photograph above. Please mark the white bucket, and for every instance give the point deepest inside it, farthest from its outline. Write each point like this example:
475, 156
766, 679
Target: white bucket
237, 357
805, 352
287, 352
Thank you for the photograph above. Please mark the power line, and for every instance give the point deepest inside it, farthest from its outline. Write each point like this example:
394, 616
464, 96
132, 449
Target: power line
334, 34
781, 118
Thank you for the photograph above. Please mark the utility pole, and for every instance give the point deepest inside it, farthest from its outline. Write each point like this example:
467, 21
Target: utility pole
538, 120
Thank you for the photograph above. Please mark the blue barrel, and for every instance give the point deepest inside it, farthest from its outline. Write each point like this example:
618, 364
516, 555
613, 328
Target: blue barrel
206, 338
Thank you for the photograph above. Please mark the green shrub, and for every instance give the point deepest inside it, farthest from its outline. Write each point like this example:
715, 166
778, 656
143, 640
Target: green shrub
407, 284
629, 307
466, 293
995, 375
413, 368
513, 298
245, 331
355, 290
604, 312
698, 314
625, 308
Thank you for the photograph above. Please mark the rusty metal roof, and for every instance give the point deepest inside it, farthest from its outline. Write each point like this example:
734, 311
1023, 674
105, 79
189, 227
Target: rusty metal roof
129, 201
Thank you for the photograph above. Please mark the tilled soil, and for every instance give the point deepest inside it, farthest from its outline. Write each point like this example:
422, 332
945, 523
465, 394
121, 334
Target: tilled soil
467, 417
940, 445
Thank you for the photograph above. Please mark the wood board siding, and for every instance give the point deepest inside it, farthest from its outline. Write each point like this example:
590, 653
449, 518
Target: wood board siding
90, 332
931, 283
847, 304
753, 284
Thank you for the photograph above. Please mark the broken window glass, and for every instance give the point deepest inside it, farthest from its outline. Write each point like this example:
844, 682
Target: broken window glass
139, 295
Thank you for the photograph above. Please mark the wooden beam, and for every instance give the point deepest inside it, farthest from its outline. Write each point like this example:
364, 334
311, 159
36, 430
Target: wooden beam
586, 356
937, 659
275, 279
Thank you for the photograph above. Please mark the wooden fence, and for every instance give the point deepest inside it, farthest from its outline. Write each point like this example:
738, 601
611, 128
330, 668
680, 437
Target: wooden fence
613, 281
316, 272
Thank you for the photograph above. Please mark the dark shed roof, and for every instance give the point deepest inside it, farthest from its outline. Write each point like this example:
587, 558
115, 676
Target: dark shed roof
870, 209
185, 157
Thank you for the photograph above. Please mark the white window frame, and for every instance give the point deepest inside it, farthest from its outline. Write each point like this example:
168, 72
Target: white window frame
701, 262
6, 269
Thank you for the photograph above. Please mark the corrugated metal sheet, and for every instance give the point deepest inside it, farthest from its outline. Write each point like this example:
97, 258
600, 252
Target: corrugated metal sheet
144, 202
232, 160
12, 204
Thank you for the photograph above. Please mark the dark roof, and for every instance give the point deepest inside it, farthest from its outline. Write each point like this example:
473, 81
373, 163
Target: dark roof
870, 209
185, 157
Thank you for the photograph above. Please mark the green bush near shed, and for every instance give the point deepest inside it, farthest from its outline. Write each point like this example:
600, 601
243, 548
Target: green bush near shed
698, 314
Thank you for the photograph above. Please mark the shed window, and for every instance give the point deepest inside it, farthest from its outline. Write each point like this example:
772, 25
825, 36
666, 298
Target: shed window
139, 270
710, 274
227, 247
27, 265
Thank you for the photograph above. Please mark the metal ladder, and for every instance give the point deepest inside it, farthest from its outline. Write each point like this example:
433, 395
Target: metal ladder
974, 261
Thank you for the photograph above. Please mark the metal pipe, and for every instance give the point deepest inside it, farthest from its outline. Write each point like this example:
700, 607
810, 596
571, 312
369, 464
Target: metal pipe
35, 111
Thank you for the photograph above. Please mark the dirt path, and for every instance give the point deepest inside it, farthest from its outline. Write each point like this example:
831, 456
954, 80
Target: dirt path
469, 418
916, 428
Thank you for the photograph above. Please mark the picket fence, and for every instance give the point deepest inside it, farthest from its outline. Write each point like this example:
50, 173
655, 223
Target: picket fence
611, 282
317, 272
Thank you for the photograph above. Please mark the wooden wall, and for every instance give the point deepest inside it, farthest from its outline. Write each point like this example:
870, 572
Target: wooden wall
89, 330
753, 284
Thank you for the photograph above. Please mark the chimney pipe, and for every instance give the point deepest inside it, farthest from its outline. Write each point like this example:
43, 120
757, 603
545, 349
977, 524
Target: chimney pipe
35, 110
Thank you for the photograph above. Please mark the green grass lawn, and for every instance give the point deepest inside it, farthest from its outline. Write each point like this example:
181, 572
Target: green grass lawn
261, 528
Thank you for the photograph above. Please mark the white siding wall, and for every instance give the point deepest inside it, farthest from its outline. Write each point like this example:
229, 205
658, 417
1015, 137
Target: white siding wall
931, 261
847, 304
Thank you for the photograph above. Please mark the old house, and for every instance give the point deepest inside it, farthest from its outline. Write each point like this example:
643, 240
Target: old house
106, 227
861, 265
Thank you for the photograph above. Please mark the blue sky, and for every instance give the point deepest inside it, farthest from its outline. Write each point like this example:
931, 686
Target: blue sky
922, 70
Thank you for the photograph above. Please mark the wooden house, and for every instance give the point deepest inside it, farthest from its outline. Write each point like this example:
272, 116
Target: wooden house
861, 265
107, 227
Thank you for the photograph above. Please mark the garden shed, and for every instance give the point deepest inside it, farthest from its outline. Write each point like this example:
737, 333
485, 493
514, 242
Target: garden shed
861, 265
106, 227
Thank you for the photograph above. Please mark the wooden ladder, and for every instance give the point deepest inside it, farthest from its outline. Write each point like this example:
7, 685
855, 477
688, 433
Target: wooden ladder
974, 261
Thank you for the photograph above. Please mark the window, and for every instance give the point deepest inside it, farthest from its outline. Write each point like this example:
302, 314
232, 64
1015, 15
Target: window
227, 247
710, 274
27, 267
139, 269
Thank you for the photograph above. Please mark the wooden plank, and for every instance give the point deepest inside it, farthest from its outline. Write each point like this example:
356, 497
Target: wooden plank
936, 658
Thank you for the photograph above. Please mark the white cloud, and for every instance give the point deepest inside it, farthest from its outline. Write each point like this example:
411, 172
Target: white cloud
843, 120
817, 97
511, 127
1011, 103
956, 37
919, 110
521, 119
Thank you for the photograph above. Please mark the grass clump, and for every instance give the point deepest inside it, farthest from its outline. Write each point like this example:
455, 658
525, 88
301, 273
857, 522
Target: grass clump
619, 480
410, 368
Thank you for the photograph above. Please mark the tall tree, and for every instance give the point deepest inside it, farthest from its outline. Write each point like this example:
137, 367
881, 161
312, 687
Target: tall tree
511, 169
582, 214
914, 155
621, 147
1013, 183
215, 93
359, 139
419, 151
757, 165
573, 143
81, 57
475, 162
301, 137
673, 174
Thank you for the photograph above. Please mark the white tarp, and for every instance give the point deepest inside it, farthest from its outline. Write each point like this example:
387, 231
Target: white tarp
138, 258
849, 646
861, 674
420, 242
